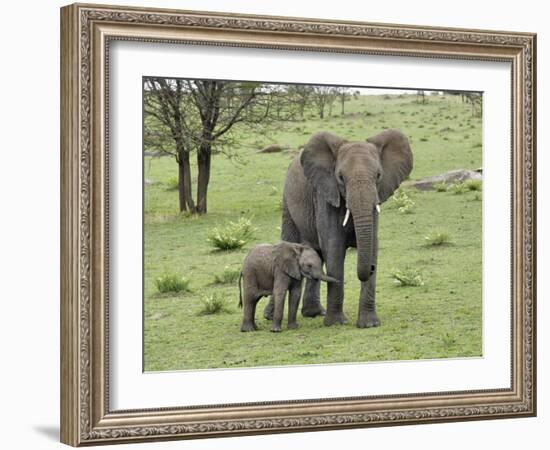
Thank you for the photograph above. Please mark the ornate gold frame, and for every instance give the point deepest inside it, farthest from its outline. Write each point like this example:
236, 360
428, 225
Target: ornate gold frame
86, 31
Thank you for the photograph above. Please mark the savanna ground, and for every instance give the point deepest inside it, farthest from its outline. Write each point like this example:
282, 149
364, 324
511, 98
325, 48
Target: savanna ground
440, 319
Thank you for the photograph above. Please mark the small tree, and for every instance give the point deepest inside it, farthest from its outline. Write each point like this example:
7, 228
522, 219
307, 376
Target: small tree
186, 116
343, 94
476, 102
301, 95
323, 97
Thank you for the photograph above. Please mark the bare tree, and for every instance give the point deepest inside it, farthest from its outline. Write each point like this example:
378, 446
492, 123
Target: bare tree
343, 94
475, 100
323, 97
301, 95
188, 116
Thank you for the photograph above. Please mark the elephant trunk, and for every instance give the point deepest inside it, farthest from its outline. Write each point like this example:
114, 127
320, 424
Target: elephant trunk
328, 279
363, 210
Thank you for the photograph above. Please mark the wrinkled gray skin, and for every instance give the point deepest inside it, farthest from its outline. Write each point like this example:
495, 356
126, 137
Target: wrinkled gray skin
274, 270
330, 176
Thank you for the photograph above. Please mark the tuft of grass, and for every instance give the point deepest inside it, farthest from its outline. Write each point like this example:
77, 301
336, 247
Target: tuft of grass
228, 276
436, 238
458, 188
441, 187
403, 203
172, 282
473, 185
407, 277
448, 340
213, 304
233, 235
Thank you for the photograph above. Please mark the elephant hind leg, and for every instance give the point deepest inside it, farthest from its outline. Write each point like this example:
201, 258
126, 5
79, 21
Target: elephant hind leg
249, 313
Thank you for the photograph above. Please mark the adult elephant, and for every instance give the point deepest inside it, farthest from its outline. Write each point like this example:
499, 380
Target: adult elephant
330, 202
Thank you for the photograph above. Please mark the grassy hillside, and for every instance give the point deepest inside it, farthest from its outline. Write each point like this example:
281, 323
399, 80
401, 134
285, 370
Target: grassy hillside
440, 319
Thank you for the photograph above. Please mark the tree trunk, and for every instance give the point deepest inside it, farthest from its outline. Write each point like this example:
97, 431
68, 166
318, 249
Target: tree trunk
184, 183
204, 157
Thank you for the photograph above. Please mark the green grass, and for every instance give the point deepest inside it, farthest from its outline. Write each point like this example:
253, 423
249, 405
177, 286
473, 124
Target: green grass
228, 276
232, 235
213, 303
172, 282
440, 319
441, 187
407, 277
435, 238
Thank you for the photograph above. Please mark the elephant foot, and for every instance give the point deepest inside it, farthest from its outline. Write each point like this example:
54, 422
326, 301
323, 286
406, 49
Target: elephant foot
370, 320
276, 328
248, 326
313, 310
293, 326
338, 318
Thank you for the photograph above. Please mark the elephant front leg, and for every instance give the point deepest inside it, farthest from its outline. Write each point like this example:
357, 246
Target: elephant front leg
311, 305
335, 291
367, 306
293, 301
279, 294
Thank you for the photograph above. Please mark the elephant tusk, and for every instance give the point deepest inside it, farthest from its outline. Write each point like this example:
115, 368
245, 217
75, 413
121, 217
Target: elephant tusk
378, 208
346, 218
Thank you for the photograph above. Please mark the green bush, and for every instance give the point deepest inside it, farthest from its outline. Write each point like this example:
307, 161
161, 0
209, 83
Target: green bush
473, 185
228, 276
441, 187
233, 235
458, 188
407, 277
403, 202
172, 282
213, 304
436, 238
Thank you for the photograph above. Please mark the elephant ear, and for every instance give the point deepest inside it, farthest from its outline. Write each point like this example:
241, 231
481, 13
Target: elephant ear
396, 159
286, 258
318, 160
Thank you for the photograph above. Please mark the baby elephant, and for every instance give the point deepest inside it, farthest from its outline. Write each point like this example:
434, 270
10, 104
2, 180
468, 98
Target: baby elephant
274, 270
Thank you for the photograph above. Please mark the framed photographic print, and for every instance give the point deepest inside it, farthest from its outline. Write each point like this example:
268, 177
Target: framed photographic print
278, 224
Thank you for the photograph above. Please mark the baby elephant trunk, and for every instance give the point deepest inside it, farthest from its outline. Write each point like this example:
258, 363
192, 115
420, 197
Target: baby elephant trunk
328, 279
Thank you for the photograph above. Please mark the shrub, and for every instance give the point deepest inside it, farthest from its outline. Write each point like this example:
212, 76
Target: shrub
437, 238
403, 202
228, 276
213, 304
441, 187
172, 282
407, 277
233, 235
458, 188
473, 185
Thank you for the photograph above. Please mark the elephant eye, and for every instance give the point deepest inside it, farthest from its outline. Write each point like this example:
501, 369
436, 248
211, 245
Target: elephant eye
340, 178
378, 176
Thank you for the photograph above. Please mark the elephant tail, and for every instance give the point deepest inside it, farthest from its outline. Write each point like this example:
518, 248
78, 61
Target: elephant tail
240, 291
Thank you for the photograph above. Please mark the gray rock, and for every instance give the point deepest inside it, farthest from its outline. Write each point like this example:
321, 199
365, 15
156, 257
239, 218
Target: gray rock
452, 177
273, 148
